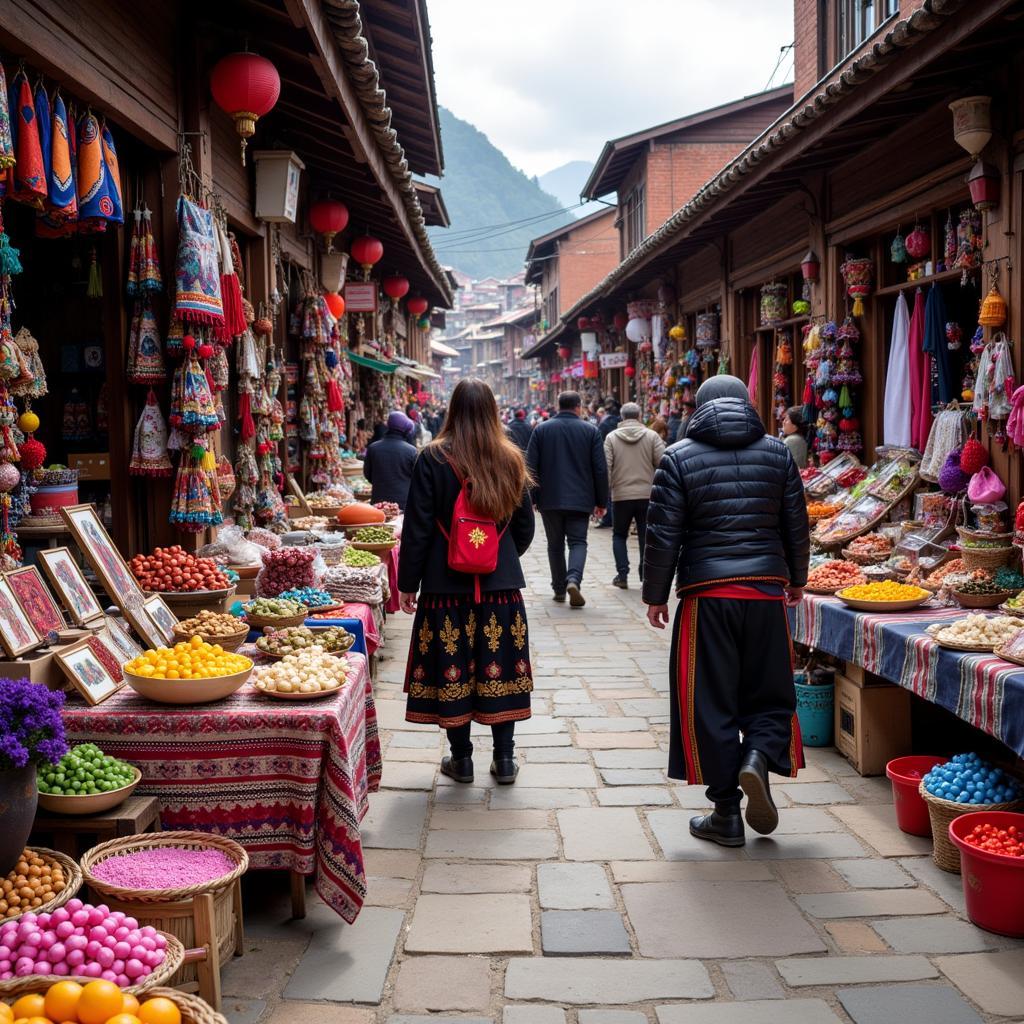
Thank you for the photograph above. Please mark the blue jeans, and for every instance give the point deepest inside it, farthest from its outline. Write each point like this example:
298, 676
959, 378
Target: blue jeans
623, 514
566, 528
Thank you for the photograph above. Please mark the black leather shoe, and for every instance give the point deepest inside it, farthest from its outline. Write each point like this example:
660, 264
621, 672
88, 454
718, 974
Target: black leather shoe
762, 814
560, 598
724, 829
458, 768
620, 582
505, 770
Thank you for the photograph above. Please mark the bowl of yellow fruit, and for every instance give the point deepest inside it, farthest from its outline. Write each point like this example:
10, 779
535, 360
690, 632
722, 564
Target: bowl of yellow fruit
883, 596
191, 672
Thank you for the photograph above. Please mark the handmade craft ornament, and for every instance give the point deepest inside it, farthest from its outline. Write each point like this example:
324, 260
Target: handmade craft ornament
35, 386
919, 243
195, 505
99, 187
197, 269
993, 309
33, 454
954, 336
898, 249
26, 182
858, 274
149, 451
62, 199
230, 288
145, 352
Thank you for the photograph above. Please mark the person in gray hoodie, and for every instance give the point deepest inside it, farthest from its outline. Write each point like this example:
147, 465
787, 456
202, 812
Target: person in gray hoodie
633, 453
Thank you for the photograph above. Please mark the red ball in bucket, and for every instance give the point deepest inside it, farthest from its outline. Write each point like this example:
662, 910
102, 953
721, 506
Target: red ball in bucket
906, 774
993, 882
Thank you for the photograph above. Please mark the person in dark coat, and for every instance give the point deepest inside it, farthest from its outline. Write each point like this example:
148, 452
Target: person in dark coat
728, 519
519, 430
610, 422
469, 659
389, 461
566, 459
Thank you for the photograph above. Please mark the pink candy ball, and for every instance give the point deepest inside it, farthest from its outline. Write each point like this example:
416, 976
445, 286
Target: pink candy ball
47, 940
76, 942
93, 948
74, 904
134, 968
97, 914
64, 929
41, 967
109, 976
105, 957
59, 915
24, 966
80, 918
160, 941
117, 967
121, 933
57, 952
75, 958
61, 969
91, 970
98, 932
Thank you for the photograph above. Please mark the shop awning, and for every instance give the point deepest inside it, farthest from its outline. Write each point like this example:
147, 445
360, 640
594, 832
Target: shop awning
371, 364
417, 371
441, 349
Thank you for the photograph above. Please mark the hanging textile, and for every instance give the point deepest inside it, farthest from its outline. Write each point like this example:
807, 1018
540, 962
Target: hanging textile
6, 139
42, 107
150, 278
920, 377
112, 172
61, 198
896, 411
27, 178
755, 367
99, 183
145, 352
197, 271
936, 344
149, 452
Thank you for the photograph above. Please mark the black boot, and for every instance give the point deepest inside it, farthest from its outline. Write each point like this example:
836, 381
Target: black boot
458, 768
762, 815
723, 825
504, 769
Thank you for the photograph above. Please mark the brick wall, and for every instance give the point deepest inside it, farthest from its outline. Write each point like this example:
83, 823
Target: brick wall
584, 258
675, 173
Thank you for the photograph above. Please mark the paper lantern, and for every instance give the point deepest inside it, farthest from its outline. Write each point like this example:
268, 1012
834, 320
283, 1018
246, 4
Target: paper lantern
985, 183
619, 321
366, 251
328, 217
638, 329
564, 351
246, 86
335, 303
630, 371
417, 305
918, 243
810, 266
972, 123
395, 287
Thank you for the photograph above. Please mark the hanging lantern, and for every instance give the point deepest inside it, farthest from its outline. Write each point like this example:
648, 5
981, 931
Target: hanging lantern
366, 251
918, 243
564, 351
810, 266
423, 323
395, 287
583, 323
985, 184
630, 370
335, 303
417, 305
972, 123
638, 329
328, 217
246, 86
619, 321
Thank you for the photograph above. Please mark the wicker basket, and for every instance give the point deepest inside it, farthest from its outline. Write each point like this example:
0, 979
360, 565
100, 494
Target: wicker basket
276, 621
160, 975
186, 603
207, 914
231, 642
72, 883
982, 600
987, 558
967, 534
942, 812
866, 558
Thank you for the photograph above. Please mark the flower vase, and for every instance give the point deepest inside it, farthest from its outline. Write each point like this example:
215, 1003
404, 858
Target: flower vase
18, 799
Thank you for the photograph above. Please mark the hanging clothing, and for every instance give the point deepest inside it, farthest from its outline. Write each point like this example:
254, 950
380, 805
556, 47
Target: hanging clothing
935, 343
896, 410
920, 377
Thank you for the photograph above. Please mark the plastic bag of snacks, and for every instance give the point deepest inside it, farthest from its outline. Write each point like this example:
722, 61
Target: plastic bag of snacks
287, 569
239, 551
264, 538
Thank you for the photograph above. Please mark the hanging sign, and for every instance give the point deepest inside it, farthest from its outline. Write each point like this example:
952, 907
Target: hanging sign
590, 369
360, 297
614, 360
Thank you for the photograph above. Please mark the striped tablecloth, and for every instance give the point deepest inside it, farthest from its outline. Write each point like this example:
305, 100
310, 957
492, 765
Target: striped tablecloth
981, 689
288, 780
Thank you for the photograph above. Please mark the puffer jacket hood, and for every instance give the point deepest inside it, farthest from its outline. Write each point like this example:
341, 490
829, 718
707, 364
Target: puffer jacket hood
631, 431
725, 423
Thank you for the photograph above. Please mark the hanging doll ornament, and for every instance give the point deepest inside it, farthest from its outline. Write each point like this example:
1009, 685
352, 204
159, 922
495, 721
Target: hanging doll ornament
149, 452
145, 351
858, 274
898, 249
196, 503
144, 274
949, 242
195, 411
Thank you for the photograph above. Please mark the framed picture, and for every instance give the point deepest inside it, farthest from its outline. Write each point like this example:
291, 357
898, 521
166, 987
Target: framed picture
116, 635
17, 634
36, 600
163, 618
146, 629
92, 669
297, 493
67, 580
101, 553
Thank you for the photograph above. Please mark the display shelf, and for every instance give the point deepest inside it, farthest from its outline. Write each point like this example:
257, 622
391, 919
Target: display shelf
793, 321
942, 275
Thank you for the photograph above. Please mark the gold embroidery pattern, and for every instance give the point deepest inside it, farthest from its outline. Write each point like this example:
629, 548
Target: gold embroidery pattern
470, 625
493, 632
477, 537
504, 688
450, 636
454, 691
426, 637
422, 691
518, 631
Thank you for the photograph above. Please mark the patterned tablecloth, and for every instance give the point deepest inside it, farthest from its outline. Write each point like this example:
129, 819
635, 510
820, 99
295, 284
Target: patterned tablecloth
981, 689
289, 780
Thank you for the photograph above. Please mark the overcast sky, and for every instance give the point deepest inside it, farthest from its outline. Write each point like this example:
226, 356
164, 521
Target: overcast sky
550, 80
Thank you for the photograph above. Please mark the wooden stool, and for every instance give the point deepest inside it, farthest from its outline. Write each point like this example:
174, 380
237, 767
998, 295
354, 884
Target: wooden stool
136, 814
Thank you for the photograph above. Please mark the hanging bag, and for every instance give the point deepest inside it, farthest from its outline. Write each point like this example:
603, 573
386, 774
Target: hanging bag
985, 487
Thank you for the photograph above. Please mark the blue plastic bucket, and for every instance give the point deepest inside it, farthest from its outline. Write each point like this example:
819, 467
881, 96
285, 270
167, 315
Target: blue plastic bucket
815, 706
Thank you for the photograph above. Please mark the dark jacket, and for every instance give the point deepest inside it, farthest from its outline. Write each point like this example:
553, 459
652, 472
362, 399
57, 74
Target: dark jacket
388, 466
609, 423
566, 458
519, 431
423, 558
675, 423
727, 503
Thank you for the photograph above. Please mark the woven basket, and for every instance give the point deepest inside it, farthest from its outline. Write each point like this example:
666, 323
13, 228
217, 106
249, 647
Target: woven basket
72, 883
865, 558
175, 910
230, 643
160, 975
966, 534
987, 558
193, 1009
942, 812
276, 621
982, 600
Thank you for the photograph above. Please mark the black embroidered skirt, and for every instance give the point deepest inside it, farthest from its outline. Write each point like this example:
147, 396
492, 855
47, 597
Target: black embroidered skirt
469, 660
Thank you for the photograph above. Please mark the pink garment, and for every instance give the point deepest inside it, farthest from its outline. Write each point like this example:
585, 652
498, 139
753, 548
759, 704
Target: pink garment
755, 369
920, 377
1015, 424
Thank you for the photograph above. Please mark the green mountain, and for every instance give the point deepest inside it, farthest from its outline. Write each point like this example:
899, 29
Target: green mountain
488, 201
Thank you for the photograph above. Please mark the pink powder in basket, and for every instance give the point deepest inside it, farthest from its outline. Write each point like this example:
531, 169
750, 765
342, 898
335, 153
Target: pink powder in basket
164, 868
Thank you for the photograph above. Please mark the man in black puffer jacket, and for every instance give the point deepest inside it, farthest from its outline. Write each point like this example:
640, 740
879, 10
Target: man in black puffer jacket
727, 518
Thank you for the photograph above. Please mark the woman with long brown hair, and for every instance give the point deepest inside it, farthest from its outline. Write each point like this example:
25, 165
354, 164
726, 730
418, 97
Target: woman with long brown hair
469, 659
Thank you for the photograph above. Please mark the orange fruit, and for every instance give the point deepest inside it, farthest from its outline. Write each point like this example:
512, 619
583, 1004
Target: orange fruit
6, 1013
32, 1005
62, 1000
159, 1010
100, 1000
130, 1004
38, 1020
124, 1018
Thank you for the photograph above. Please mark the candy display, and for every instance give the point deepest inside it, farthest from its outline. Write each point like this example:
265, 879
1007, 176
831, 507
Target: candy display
210, 624
355, 558
885, 590
1004, 842
834, 575
191, 659
274, 608
175, 570
311, 671
163, 867
287, 568
967, 779
279, 642
822, 509
317, 500
389, 508
374, 535
33, 881
96, 1002
78, 938
312, 597
356, 583
84, 770
977, 630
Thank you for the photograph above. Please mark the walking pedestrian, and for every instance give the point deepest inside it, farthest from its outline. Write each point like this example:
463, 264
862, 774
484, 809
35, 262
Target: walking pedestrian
632, 452
609, 422
728, 518
519, 430
389, 461
469, 660
566, 461
794, 437
660, 427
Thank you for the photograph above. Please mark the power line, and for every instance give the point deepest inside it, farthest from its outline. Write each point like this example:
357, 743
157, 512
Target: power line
486, 237
783, 50
466, 232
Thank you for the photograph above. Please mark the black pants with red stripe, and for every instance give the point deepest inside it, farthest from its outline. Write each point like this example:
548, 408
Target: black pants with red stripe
731, 673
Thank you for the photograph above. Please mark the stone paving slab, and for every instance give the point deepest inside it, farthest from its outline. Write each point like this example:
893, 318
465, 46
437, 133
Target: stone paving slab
874, 874
908, 1004
477, 878
395, 821
751, 979
614, 740
290, 1011
797, 1011
533, 1015
497, 844
618, 758
691, 870
603, 834
815, 793
826, 846
876, 825
870, 903
634, 796
933, 935
632, 777
850, 970
582, 933
612, 1017
443, 983
573, 887
604, 982
481, 820
491, 923
995, 981
542, 799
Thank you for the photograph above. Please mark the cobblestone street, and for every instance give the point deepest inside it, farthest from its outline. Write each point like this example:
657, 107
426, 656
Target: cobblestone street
479, 895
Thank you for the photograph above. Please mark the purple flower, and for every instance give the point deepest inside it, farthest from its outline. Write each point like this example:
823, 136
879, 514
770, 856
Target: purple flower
31, 728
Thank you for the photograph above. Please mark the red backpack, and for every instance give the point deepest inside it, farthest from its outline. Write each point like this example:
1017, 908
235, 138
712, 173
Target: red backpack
473, 540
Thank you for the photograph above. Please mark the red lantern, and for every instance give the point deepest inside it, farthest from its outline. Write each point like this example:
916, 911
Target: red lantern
630, 371
366, 251
328, 217
564, 351
810, 266
395, 287
620, 320
918, 243
246, 86
985, 183
583, 323
417, 305
335, 303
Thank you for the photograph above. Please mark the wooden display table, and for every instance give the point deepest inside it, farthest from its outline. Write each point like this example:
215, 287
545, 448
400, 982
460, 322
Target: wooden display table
136, 814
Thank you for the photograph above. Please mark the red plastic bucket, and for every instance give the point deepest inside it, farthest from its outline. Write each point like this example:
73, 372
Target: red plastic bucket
993, 884
906, 774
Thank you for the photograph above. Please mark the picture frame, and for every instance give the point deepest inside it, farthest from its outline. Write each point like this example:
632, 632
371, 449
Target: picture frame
298, 494
36, 600
102, 555
146, 629
116, 635
86, 672
162, 617
17, 634
61, 569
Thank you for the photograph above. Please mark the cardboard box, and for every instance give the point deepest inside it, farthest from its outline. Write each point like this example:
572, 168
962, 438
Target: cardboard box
92, 466
872, 724
862, 677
